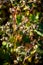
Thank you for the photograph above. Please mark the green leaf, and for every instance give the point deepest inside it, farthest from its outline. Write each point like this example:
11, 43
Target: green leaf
39, 33
30, 5
11, 39
32, 17
18, 43
28, 24
37, 18
1, 32
4, 43
26, 39
39, 50
6, 63
18, 19
22, 53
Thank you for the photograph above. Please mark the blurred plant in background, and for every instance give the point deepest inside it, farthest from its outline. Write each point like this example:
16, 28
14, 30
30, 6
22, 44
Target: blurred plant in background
21, 32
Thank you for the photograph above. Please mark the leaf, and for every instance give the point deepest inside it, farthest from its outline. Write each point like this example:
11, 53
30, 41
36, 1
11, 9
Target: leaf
31, 33
32, 17
30, 5
37, 16
26, 39
11, 1
40, 51
4, 43
28, 24
6, 63
32, 52
39, 33
23, 53
27, 13
11, 39
17, 44
18, 19
30, 59
25, 8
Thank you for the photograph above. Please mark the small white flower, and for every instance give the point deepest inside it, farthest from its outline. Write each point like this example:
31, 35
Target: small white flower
18, 58
15, 62
10, 45
21, 28
23, 31
6, 38
35, 47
